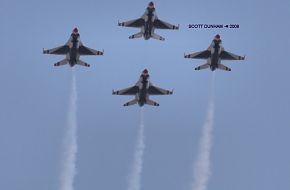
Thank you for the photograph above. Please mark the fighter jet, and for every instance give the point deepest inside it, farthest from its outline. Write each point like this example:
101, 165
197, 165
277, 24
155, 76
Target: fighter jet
148, 22
214, 54
142, 89
73, 49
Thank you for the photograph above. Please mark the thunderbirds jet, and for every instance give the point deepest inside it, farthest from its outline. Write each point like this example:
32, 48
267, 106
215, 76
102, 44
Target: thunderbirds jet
142, 89
214, 54
73, 49
148, 23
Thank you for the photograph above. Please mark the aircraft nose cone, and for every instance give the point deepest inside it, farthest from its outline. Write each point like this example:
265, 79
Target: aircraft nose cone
145, 71
151, 5
217, 39
217, 36
75, 30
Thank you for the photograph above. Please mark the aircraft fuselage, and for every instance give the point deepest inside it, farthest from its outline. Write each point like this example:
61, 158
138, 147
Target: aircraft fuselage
215, 56
73, 52
148, 26
142, 95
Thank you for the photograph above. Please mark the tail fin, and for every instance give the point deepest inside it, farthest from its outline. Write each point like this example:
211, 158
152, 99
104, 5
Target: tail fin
157, 37
137, 35
151, 103
204, 66
132, 102
80, 62
62, 62
223, 67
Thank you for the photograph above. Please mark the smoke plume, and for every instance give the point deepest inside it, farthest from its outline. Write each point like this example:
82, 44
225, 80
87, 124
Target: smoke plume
137, 166
202, 169
70, 141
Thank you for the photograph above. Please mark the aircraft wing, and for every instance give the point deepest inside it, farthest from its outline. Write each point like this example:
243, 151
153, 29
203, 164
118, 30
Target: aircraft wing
83, 50
230, 56
153, 90
61, 50
164, 25
137, 23
199, 55
127, 91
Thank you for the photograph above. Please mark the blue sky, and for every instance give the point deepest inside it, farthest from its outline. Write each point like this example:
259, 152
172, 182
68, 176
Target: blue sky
251, 128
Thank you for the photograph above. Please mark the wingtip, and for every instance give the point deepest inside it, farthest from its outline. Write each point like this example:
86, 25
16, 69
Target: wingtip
120, 23
175, 27
114, 92
186, 55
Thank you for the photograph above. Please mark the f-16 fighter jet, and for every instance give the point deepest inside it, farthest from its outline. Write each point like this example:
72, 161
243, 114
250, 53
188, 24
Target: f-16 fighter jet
142, 89
73, 49
214, 54
148, 23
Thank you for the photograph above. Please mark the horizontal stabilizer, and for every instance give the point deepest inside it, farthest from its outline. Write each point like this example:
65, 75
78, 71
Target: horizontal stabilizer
204, 66
157, 37
80, 62
137, 35
223, 67
132, 102
152, 103
62, 62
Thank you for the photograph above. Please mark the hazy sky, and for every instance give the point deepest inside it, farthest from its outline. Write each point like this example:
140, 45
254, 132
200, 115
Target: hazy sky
251, 127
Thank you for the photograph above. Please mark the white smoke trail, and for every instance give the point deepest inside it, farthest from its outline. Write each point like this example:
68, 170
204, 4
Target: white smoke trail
137, 167
202, 169
70, 141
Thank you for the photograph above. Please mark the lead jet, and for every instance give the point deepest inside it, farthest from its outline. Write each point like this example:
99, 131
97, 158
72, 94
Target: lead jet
148, 23
142, 89
73, 49
214, 54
